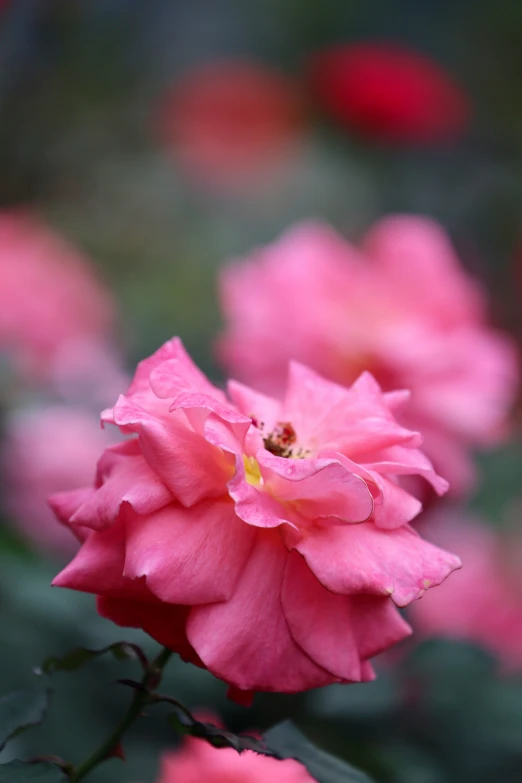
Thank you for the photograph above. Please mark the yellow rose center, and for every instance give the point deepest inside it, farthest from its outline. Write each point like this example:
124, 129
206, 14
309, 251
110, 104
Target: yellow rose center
252, 471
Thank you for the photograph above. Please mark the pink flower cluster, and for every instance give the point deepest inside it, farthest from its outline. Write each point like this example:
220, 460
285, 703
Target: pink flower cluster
484, 603
47, 449
198, 761
265, 539
400, 306
56, 323
52, 307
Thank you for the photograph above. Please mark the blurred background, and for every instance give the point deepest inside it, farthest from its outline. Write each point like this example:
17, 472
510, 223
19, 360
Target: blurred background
142, 146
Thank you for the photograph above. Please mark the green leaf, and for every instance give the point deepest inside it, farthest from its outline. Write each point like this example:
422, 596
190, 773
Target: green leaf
214, 735
77, 658
27, 772
287, 742
183, 722
21, 710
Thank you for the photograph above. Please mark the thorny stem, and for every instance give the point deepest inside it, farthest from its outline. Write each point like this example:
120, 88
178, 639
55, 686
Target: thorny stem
151, 678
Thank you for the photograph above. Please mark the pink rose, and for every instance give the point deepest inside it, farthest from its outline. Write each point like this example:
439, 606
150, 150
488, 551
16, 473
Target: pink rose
47, 450
258, 538
50, 299
485, 605
401, 307
229, 122
386, 91
199, 762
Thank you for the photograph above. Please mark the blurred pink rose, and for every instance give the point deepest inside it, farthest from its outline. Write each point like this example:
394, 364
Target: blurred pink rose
401, 307
227, 121
386, 91
485, 602
258, 538
50, 299
199, 762
47, 450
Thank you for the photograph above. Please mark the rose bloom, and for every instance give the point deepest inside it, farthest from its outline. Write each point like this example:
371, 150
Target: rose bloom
265, 540
46, 450
50, 298
389, 92
400, 306
198, 761
227, 121
485, 605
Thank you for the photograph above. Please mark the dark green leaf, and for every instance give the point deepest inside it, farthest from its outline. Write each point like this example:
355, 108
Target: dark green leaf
184, 723
21, 710
25, 772
77, 658
286, 741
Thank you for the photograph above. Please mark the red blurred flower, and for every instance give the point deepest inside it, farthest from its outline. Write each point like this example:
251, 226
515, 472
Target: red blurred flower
386, 91
227, 120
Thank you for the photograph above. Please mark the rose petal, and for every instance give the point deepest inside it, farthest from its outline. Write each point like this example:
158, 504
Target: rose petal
189, 556
98, 567
246, 640
189, 466
377, 624
266, 410
366, 559
320, 621
317, 487
396, 507
131, 482
64, 504
401, 461
253, 505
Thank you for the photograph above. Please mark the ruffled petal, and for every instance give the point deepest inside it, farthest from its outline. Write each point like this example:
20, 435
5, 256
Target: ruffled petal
376, 624
140, 391
320, 621
190, 467
317, 488
351, 559
189, 556
179, 375
65, 504
132, 483
246, 641
402, 461
353, 421
98, 567
396, 507
252, 504
198, 407
265, 410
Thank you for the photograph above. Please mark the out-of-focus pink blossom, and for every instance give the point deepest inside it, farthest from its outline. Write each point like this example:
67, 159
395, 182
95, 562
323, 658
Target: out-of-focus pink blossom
199, 762
262, 539
88, 371
47, 450
228, 121
50, 298
485, 602
386, 91
401, 307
